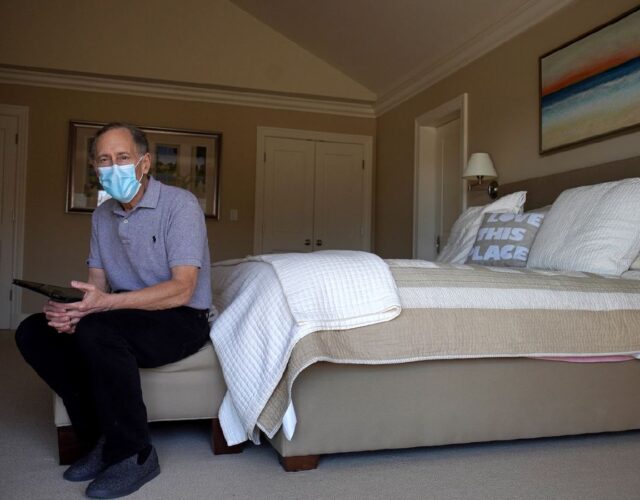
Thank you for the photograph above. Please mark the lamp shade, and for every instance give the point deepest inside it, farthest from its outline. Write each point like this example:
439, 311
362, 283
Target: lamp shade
480, 165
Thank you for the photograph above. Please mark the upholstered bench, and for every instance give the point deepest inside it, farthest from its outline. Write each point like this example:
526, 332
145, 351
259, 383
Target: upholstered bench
190, 389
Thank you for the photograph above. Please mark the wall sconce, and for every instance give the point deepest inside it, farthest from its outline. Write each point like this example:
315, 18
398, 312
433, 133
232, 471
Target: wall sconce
481, 167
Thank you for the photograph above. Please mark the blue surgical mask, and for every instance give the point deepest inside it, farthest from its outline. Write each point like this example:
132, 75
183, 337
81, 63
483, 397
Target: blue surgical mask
120, 181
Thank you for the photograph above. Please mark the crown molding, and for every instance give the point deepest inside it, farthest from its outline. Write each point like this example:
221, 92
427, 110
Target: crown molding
506, 28
184, 92
517, 22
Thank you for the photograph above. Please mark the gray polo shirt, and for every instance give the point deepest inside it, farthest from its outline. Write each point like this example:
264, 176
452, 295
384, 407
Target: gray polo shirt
137, 249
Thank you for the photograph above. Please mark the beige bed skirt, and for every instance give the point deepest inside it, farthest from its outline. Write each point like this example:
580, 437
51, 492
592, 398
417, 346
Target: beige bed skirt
343, 408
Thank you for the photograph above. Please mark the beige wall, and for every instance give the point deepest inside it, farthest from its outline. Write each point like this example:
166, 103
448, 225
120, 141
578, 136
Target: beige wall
56, 243
503, 120
198, 41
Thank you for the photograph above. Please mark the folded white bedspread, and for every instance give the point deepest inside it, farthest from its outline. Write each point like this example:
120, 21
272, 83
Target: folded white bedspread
267, 303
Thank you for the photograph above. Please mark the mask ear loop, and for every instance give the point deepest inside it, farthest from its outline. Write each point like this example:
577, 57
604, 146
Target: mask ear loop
142, 174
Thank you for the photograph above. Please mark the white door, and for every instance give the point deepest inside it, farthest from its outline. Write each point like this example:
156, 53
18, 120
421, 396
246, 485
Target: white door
313, 191
439, 191
8, 172
449, 165
339, 195
288, 195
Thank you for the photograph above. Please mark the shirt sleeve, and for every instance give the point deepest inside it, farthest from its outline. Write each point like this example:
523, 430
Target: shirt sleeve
94, 259
186, 239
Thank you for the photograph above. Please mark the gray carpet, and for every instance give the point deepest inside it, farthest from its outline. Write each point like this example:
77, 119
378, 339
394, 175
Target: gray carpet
586, 467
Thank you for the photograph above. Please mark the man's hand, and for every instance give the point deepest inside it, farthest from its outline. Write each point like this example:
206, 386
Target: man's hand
65, 317
56, 313
95, 300
175, 292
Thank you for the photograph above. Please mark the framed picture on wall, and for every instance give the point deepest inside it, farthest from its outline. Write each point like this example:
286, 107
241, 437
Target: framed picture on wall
590, 87
182, 158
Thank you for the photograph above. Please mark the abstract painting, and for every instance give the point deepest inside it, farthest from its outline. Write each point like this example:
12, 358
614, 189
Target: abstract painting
590, 87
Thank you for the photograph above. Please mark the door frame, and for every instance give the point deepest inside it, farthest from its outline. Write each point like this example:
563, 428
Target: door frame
22, 114
311, 135
425, 167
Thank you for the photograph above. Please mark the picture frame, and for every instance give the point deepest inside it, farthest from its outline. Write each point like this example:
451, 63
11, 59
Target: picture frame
589, 88
184, 158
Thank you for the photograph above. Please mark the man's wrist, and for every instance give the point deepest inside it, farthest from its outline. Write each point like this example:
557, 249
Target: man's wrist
113, 301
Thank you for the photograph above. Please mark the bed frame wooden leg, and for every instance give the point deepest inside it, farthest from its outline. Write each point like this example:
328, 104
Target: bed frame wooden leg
70, 448
218, 442
295, 464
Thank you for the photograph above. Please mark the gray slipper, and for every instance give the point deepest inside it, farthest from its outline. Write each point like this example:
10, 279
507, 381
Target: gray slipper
124, 477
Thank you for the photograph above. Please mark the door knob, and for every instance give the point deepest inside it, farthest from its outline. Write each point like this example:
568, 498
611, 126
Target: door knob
307, 242
318, 243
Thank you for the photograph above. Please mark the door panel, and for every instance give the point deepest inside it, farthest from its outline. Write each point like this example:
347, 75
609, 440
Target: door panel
338, 219
449, 162
431, 184
8, 166
313, 196
288, 195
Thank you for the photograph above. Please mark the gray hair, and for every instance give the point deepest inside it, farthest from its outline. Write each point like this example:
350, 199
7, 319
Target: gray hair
139, 137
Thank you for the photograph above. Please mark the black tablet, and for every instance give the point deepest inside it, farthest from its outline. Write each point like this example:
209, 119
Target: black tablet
56, 293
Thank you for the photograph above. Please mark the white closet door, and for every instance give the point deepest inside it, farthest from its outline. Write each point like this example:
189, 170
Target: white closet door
8, 172
288, 195
339, 195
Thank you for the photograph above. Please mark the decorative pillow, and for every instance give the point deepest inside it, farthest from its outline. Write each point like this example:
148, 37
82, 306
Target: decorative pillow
592, 229
464, 230
505, 239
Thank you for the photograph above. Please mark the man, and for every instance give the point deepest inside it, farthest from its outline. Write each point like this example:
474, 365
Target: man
145, 305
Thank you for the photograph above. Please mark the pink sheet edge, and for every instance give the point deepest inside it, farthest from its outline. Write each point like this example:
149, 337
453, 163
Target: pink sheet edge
588, 359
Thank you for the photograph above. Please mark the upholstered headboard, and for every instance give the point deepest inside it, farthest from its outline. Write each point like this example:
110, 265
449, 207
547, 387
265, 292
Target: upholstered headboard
544, 190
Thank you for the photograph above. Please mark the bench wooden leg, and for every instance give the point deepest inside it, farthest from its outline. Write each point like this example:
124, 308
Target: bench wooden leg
70, 448
295, 464
218, 442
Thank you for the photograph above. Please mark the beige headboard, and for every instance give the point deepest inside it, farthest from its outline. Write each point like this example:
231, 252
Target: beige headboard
544, 190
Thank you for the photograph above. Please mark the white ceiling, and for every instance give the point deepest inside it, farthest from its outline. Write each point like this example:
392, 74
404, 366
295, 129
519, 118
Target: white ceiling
383, 44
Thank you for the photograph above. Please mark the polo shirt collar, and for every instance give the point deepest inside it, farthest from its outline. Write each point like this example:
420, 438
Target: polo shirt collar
149, 200
151, 195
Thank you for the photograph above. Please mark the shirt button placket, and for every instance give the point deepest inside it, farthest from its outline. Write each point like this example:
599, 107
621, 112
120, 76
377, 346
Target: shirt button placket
124, 231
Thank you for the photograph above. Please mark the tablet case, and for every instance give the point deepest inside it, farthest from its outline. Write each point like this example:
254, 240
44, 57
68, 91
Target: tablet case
56, 293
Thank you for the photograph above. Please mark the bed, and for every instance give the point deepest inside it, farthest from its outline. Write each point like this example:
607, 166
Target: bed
465, 393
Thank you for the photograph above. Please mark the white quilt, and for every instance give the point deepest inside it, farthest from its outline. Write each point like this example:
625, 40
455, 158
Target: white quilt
267, 303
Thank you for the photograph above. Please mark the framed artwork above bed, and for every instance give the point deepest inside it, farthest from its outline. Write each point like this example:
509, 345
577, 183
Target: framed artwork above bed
590, 86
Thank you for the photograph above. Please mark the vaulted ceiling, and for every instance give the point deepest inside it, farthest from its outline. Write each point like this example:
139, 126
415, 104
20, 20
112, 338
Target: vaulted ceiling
357, 57
383, 44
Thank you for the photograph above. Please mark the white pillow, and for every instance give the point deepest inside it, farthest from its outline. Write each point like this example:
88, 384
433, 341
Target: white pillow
591, 228
464, 230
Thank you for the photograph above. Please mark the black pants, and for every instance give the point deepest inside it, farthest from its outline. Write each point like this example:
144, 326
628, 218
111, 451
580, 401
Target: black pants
95, 370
